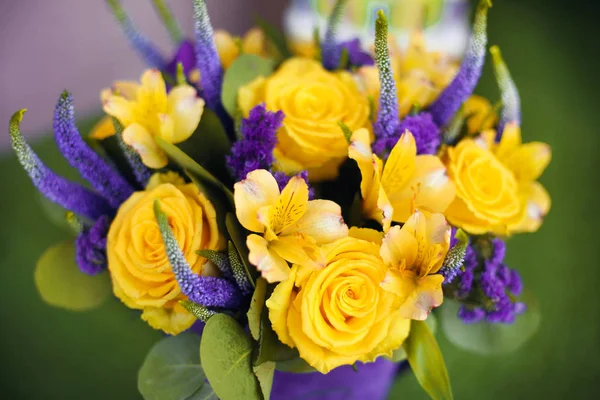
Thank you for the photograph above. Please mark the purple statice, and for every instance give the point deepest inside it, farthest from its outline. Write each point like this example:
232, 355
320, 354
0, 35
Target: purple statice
90, 247
207, 291
487, 285
425, 131
357, 57
283, 179
259, 137
144, 47
208, 61
67, 194
102, 177
463, 84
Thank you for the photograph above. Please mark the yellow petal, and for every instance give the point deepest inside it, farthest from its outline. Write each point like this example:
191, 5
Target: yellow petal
271, 266
166, 127
152, 95
120, 108
399, 247
254, 41
537, 205
400, 165
251, 94
290, 206
103, 129
511, 140
185, 107
420, 296
322, 221
297, 250
278, 304
143, 143
368, 234
171, 320
226, 46
127, 89
529, 161
259, 189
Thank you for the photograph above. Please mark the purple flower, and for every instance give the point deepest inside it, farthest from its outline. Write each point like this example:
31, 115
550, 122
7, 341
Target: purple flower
466, 283
259, 137
498, 252
90, 247
357, 57
515, 284
103, 178
426, 133
471, 315
463, 84
207, 58
186, 55
331, 51
141, 44
55, 188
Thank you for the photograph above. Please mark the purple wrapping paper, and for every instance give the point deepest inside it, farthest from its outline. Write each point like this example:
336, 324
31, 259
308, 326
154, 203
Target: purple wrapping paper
371, 381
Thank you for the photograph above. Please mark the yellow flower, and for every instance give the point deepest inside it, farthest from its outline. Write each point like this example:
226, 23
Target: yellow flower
230, 47
407, 182
292, 226
479, 114
314, 102
137, 260
496, 183
414, 255
339, 314
420, 75
146, 111
103, 129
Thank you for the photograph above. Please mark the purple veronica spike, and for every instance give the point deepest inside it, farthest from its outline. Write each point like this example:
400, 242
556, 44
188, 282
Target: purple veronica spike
109, 183
204, 290
356, 55
330, 50
388, 118
69, 195
459, 243
259, 137
90, 247
426, 133
463, 84
140, 171
186, 55
207, 58
141, 44
511, 101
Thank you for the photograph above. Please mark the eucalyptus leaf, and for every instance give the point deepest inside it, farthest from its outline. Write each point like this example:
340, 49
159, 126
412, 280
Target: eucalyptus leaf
238, 235
270, 347
426, 361
296, 365
55, 213
242, 71
486, 338
172, 370
226, 354
256, 307
209, 145
265, 373
400, 354
61, 283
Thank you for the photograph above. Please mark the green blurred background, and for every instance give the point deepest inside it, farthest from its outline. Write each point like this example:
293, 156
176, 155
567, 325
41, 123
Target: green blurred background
552, 50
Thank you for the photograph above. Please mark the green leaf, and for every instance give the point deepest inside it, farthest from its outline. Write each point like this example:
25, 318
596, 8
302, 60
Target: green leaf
400, 354
197, 173
486, 338
347, 131
276, 37
426, 361
209, 145
61, 284
55, 213
226, 352
270, 347
265, 373
242, 71
238, 236
172, 370
256, 307
296, 365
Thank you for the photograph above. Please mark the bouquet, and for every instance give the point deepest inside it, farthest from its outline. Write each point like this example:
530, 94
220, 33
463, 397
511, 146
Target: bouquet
290, 215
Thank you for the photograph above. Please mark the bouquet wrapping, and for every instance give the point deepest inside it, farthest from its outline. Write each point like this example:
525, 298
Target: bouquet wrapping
290, 216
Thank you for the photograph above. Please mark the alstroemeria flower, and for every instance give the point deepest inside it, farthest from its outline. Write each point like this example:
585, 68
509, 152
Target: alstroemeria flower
414, 254
146, 111
407, 181
291, 226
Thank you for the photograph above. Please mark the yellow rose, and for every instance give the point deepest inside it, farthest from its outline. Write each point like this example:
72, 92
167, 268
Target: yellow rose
487, 198
496, 183
230, 47
314, 101
137, 260
339, 314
